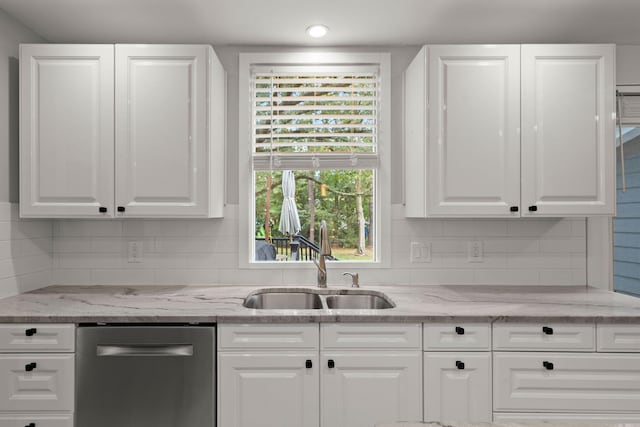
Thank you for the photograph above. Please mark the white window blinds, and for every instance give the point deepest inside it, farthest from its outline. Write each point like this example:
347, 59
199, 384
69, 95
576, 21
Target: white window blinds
324, 115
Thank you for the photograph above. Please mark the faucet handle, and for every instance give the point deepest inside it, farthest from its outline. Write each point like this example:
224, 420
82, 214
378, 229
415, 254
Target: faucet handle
355, 279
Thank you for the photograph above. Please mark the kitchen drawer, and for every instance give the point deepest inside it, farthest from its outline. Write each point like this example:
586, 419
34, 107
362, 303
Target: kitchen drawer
35, 337
599, 418
619, 338
276, 337
39, 420
544, 336
405, 336
457, 336
47, 387
566, 382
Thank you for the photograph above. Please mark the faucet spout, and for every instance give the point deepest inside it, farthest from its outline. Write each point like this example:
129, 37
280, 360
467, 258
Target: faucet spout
325, 251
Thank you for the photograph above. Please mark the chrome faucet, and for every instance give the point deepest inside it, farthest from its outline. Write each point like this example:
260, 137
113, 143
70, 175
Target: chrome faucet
325, 251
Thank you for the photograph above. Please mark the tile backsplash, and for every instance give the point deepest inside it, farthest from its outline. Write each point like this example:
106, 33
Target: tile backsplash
515, 252
26, 252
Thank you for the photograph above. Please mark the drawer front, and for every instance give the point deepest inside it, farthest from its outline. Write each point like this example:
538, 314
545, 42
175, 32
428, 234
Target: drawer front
28, 338
36, 382
562, 382
601, 418
544, 337
622, 338
371, 335
276, 337
39, 420
457, 336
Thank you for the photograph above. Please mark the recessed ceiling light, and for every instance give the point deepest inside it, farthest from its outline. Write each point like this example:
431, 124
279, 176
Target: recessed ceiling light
317, 31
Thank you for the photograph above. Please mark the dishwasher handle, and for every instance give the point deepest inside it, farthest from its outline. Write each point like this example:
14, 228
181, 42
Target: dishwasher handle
179, 350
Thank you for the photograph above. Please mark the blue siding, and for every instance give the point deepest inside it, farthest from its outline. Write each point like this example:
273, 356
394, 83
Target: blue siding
626, 225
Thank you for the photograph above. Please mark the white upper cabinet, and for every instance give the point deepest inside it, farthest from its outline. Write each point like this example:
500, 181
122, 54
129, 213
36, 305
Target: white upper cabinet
465, 155
167, 135
66, 130
473, 165
568, 136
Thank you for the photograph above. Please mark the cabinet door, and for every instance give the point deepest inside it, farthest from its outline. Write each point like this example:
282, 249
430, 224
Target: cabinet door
161, 130
457, 387
364, 388
66, 130
37, 382
266, 390
568, 135
474, 140
566, 382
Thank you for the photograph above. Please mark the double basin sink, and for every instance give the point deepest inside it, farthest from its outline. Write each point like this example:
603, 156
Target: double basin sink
317, 299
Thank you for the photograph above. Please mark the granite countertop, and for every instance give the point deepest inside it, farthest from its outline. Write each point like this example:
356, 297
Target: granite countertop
513, 424
223, 304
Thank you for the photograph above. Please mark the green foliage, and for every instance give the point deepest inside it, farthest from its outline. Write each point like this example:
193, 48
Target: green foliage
336, 204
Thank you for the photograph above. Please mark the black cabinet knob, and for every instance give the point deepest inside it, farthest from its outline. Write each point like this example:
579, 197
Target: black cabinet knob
30, 366
459, 364
533, 208
514, 209
547, 330
331, 364
31, 425
459, 330
102, 209
548, 365
308, 364
30, 332
120, 208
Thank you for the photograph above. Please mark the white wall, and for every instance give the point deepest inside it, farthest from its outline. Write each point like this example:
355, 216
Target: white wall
26, 257
628, 65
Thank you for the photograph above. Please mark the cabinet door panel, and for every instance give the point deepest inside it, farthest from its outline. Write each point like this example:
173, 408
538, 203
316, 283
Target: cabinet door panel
37, 382
39, 420
594, 382
366, 388
454, 392
66, 130
161, 121
266, 390
474, 141
568, 139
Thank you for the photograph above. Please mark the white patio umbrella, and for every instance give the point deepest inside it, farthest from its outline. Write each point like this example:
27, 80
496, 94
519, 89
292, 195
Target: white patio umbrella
289, 219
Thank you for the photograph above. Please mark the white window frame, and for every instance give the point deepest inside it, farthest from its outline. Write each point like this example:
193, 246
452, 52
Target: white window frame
382, 233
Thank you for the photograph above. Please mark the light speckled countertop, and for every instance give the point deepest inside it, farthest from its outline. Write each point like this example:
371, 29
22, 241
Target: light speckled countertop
223, 304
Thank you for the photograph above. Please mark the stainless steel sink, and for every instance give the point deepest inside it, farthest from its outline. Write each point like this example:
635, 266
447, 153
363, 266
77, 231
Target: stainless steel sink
283, 300
358, 302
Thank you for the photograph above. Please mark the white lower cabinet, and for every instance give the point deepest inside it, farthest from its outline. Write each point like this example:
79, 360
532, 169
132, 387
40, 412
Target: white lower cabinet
37, 375
541, 416
364, 388
265, 390
457, 386
281, 375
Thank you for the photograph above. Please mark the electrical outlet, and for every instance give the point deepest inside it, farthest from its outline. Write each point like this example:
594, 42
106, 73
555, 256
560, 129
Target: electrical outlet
420, 252
474, 251
134, 252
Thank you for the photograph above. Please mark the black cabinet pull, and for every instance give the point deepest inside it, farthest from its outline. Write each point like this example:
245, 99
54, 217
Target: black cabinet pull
30, 367
548, 365
102, 209
308, 364
547, 330
514, 209
120, 208
459, 364
331, 364
459, 330
30, 332
533, 208
31, 425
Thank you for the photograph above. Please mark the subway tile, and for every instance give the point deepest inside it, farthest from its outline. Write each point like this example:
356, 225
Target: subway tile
441, 277
187, 276
5, 230
417, 228
36, 246
511, 245
526, 227
85, 260
88, 228
71, 276
475, 228
212, 228
71, 244
507, 277
5, 211
122, 277
563, 245
181, 245
557, 277
542, 261
251, 277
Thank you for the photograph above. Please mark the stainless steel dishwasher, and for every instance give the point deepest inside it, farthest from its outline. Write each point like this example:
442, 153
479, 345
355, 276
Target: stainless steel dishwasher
145, 376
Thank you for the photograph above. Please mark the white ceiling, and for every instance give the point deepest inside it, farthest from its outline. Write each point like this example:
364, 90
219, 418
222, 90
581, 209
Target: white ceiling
351, 22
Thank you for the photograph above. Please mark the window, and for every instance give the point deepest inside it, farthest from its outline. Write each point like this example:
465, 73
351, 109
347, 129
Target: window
316, 148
